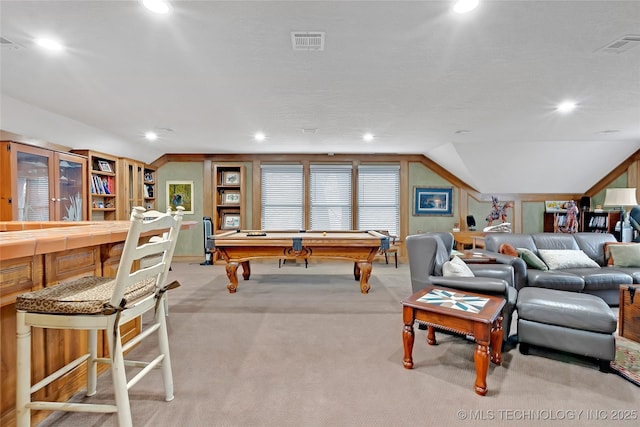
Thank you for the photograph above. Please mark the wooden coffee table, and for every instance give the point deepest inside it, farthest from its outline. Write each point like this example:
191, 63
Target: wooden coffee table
458, 311
473, 257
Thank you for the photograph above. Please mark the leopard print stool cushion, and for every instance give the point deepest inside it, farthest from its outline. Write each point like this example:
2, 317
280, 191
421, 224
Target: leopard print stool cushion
87, 295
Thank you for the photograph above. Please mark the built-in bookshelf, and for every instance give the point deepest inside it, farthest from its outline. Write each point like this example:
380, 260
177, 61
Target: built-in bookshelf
589, 221
149, 187
228, 197
600, 222
102, 184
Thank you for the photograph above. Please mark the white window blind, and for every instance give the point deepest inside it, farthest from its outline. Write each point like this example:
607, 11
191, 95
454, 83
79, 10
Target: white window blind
331, 197
378, 198
282, 197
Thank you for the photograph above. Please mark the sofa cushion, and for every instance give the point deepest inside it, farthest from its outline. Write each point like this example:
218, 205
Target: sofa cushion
625, 255
562, 259
601, 278
455, 267
492, 241
555, 280
631, 271
568, 309
532, 259
594, 244
553, 241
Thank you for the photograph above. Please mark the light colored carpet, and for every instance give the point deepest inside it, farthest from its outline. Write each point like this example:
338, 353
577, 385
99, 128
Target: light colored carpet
303, 347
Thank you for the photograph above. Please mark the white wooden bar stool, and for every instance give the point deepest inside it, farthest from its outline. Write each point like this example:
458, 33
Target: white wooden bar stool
103, 303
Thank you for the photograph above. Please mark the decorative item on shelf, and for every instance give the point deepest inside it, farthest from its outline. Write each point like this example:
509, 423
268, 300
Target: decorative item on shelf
231, 198
471, 223
498, 212
585, 203
570, 220
505, 227
231, 178
622, 197
230, 221
104, 166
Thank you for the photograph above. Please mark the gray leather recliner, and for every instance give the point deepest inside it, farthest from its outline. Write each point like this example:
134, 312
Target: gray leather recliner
429, 251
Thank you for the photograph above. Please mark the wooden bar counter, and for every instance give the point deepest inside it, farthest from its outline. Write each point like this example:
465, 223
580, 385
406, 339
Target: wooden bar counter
34, 255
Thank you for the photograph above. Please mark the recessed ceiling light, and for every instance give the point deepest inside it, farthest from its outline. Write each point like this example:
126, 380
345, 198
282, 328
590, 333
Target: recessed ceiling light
259, 136
157, 6
49, 44
368, 137
151, 136
464, 6
566, 107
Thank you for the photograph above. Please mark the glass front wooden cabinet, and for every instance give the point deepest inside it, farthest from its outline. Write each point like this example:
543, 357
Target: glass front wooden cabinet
38, 184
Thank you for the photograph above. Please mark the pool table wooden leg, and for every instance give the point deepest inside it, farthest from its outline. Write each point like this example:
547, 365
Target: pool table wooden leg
246, 270
365, 273
232, 268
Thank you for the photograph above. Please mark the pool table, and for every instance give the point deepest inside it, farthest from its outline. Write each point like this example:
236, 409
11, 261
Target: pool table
238, 247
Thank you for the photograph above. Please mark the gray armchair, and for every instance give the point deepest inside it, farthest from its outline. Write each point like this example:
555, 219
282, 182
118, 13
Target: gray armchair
429, 251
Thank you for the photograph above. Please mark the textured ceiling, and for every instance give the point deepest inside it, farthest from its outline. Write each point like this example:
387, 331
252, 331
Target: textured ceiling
212, 73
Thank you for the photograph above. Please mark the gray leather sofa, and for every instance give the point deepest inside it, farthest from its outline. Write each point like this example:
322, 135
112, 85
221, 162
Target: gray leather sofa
603, 281
429, 251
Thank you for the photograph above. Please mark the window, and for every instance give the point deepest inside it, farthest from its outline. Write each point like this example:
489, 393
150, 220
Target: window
331, 197
378, 198
282, 197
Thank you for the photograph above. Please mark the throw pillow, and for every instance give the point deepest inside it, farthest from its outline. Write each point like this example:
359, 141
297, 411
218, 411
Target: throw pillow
607, 252
531, 259
507, 249
558, 259
456, 268
625, 255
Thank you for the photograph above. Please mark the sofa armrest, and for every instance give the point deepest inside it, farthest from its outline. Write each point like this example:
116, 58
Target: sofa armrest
472, 284
518, 264
494, 271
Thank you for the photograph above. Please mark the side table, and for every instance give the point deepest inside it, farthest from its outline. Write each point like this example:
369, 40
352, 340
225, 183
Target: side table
463, 312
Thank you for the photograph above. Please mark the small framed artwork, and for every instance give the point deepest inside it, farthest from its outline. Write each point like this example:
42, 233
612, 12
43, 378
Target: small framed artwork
432, 201
231, 198
556, 205
104, 166
180, 193
230, 221
231, 178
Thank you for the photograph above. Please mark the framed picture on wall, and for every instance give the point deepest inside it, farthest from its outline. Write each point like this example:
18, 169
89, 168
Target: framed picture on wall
556, 205
180, 193
432, 201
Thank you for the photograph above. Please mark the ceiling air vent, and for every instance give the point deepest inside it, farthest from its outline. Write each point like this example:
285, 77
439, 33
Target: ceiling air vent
622, 44
307, 40
8, 44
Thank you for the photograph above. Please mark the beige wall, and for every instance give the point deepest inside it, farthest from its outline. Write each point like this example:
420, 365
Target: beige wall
527, 215
190, 242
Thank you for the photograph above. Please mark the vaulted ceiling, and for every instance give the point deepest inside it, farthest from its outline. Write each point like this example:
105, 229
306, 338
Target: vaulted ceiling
476, 93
